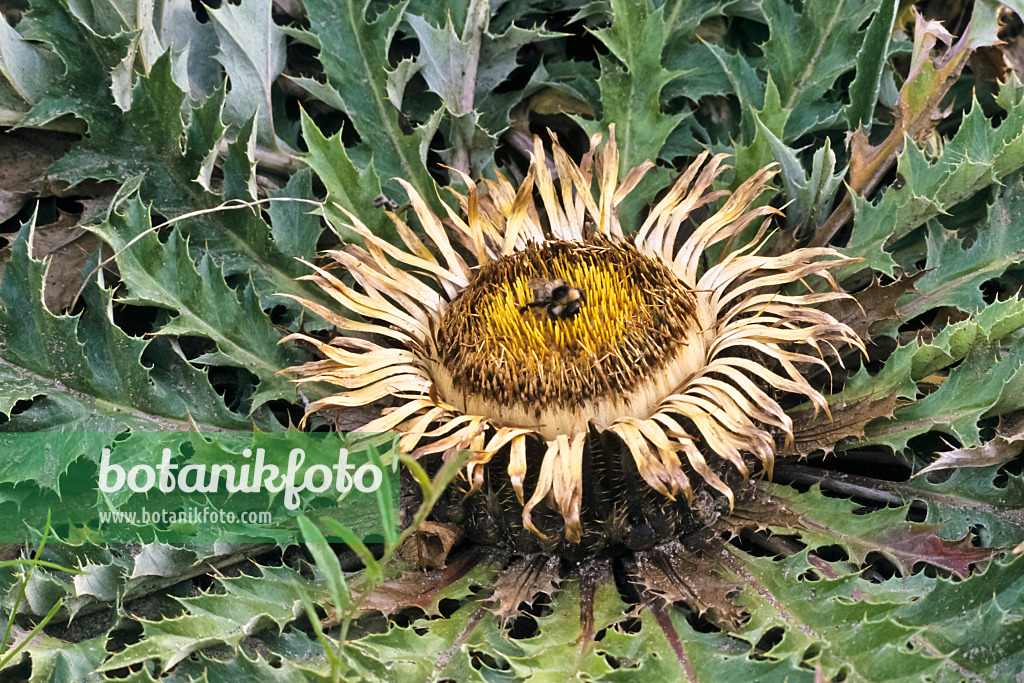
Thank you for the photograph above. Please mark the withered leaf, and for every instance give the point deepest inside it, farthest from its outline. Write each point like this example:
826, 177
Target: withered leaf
428, 546
759, 510
693, 576
917, 112
871, 306
818, 432
409, 589
915, 543
417, 588
995, 63
343, 419
69, 247
24, 157
1007, 443
523, 582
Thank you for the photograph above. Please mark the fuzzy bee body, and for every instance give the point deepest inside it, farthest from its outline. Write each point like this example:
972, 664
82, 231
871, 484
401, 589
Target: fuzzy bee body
559, 299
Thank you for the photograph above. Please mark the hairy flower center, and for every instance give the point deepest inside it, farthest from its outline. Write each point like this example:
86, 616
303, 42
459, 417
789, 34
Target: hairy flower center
542, 367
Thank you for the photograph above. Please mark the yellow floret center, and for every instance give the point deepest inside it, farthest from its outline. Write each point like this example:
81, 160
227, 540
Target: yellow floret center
535, 338
634, 341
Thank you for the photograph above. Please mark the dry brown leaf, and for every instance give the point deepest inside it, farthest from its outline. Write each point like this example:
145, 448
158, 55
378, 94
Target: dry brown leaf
343, 419
759, 511
917, 113
69, 247
406, 590
1007, 443
995, 63
691, 575
428, 546
25, 155
417, 588
817, 432
523, 582
874, 304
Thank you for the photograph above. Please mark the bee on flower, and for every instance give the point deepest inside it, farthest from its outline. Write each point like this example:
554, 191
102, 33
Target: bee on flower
581, 367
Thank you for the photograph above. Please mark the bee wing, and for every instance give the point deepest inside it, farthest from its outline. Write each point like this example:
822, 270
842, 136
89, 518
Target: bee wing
541, 288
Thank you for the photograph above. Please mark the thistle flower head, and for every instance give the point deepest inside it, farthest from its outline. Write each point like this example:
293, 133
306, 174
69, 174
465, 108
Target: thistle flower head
684, 340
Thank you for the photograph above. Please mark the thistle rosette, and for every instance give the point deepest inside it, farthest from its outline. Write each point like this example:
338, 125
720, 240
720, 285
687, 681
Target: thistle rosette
684, 347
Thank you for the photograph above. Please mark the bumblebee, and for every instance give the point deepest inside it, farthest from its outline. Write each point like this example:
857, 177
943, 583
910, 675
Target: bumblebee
561, 300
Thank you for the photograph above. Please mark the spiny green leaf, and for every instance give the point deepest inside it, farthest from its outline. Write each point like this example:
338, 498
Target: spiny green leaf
810, 196
991, 324
464, 71
668, 648
350, 188
871, 61
969, 500
294, 227
582, 637
807, 51
689, 50
909, 363
119, 574
84, 89
354, 54
117, 16
98, 582
163, 274
286, 667
449, 62
976, 157
248, 605
472, 148
822, 618
240, 165
28, 68
147, 141
160, 559
252, 52
88, 369
180, 30
59, 661
746, 84
956, 273
562, 649
887, 531
989, 381
632, 80
976, 623
498, 54
770, 122
868, 396
421, 649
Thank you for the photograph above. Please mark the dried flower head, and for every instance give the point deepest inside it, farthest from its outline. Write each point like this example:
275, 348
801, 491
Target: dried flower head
680, 342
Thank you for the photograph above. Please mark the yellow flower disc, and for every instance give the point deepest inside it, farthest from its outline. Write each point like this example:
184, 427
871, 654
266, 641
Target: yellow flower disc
525, 365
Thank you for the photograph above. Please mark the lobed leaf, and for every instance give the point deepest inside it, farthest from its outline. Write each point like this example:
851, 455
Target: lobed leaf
354, 54
248, 605
632, 80
83, 373
162, 274
251, 48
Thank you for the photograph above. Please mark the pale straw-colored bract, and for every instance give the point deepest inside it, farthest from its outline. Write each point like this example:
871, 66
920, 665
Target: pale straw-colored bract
706, 392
